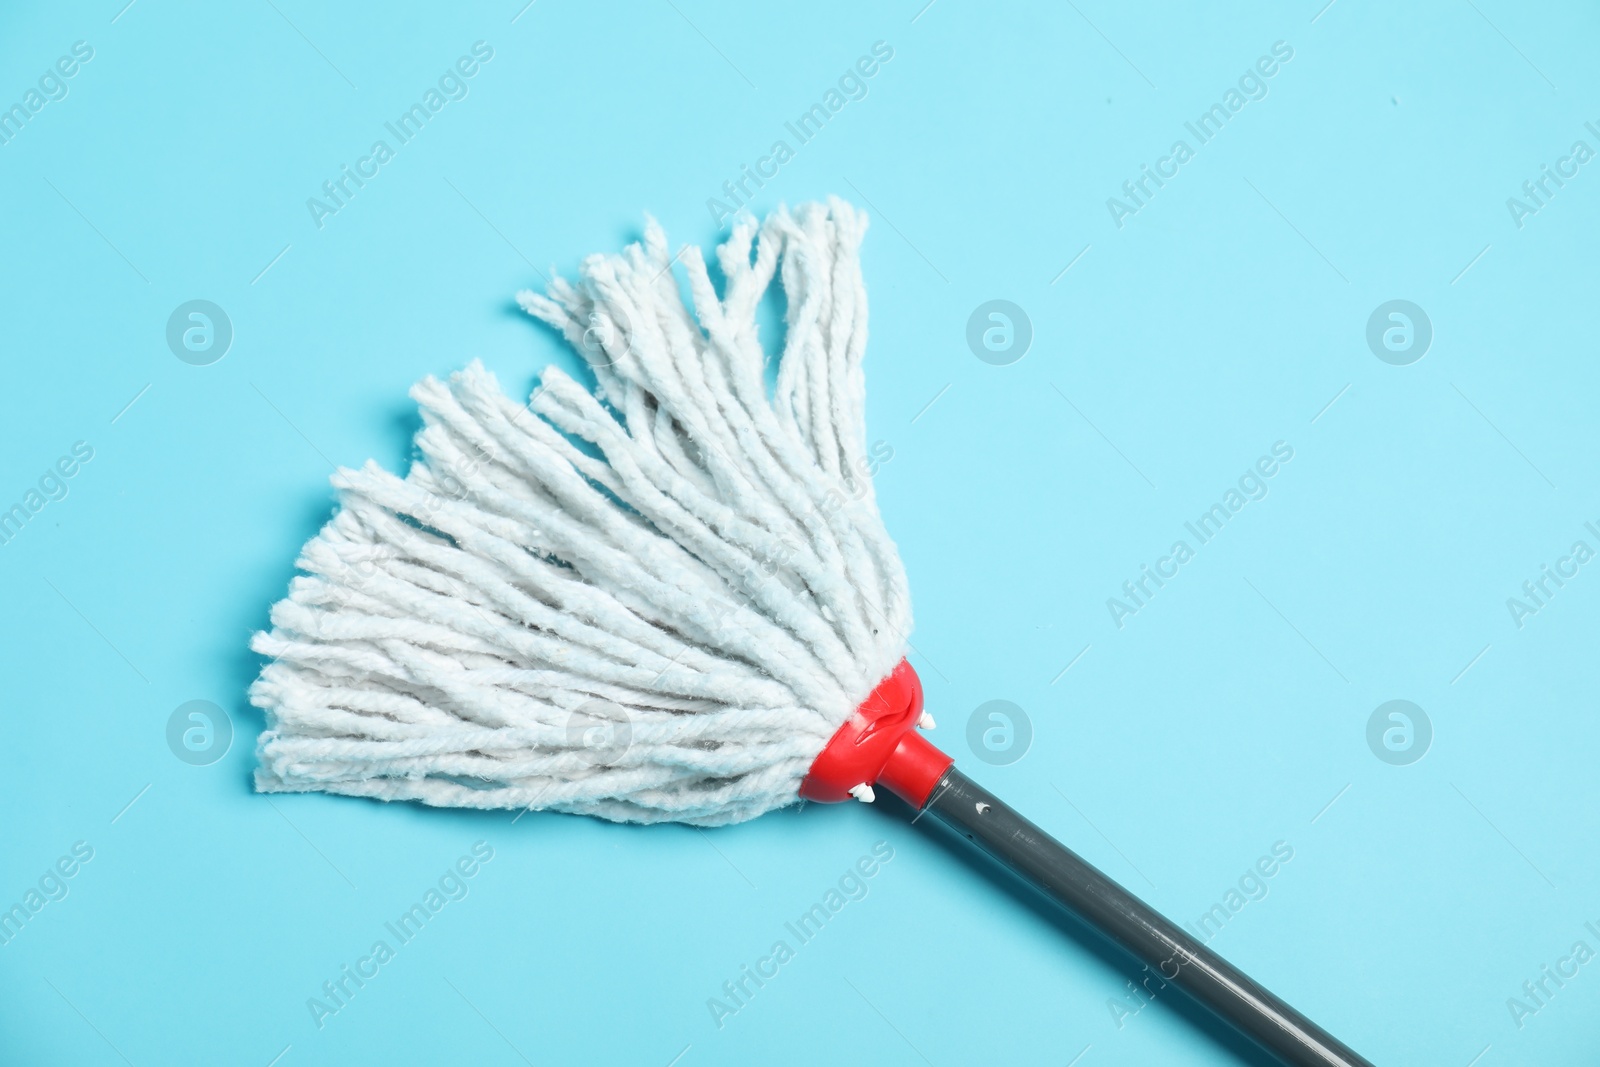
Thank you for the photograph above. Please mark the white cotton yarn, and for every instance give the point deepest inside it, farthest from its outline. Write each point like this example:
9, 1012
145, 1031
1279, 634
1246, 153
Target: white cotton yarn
653, 602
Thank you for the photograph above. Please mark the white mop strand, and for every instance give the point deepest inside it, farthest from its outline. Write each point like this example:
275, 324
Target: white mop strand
666, 622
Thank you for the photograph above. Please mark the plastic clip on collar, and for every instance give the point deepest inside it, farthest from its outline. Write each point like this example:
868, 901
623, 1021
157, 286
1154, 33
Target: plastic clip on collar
880, 746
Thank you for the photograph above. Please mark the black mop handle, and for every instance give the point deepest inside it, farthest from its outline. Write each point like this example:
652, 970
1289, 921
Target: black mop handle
1176, 957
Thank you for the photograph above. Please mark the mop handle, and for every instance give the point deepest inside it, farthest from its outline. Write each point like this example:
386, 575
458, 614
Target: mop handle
1172, 954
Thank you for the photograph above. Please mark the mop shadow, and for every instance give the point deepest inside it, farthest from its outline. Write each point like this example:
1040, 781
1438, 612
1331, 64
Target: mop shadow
1107, 951
249, 613
270, 578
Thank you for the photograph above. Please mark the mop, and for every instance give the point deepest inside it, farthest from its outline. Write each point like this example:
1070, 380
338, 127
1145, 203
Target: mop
666, 597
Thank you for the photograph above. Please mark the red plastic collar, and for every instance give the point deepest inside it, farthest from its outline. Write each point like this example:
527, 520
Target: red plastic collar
880, 746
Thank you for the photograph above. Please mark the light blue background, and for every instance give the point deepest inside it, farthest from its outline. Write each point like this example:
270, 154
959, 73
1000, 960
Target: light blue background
1223, 317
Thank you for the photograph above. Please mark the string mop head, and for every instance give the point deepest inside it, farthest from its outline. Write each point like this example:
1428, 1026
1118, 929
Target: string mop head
653, 601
